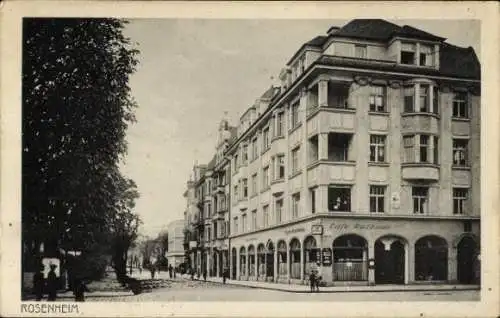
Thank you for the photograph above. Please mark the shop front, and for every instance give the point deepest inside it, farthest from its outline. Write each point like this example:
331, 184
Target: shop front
363, 251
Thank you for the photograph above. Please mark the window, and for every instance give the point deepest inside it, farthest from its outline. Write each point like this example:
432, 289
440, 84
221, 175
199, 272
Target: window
244, 155
407, 53
254, 184
279, 211
244, 223
460, 107
295, 205
425, 55
436, 150
420, 200
459, 200
409, 154
377, 148
360, 51
236, 197
338, 146
245, 188
294, 114
424, 148
377, 99
265, 215
460, 153
265, 139
424, 99
377, 199
409, 92
228, 229
312, 193
235, 227
265, 177
280, 167
339, 198
255, 154
236, 163
295, 159
435, 100
279, 124
254, 219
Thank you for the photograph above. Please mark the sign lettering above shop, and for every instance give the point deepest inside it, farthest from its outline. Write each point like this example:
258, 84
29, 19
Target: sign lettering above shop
251, 239
358, 226
295, 230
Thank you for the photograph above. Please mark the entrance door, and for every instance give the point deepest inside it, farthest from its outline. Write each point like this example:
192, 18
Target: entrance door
389, 264
466, 257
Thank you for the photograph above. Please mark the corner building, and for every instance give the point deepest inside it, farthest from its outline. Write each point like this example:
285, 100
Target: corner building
365, 160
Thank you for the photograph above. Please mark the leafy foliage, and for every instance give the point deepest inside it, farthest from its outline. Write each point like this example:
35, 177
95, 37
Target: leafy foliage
76, 110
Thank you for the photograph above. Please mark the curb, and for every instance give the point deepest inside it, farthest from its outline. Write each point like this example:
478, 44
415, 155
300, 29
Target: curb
350, 290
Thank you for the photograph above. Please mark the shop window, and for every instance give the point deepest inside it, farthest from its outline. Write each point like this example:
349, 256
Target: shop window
295, 259
350, 258
420, 196
339, 199
377, 148
377, 199
460, 105
459, 200
378, 99
460, 152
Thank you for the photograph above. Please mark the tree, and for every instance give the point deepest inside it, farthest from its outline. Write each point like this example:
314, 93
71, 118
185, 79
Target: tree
162, 240
76, 109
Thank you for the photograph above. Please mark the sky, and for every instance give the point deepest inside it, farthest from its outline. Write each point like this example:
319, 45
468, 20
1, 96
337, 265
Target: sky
192, 71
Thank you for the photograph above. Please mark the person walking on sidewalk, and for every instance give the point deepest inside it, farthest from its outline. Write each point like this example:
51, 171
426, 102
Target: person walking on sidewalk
52, 283
205, 275
79, 290
170, 270
225, 274
38, 283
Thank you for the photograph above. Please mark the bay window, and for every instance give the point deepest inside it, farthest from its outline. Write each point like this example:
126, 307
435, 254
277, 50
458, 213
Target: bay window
421, 98
420, 149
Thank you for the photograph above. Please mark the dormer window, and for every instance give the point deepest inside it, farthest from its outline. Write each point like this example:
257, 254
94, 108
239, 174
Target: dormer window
360, 51
408, 53
425, 55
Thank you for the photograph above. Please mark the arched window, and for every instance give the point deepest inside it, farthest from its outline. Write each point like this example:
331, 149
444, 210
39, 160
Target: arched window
295, 259
242, 261
350, 261
251, 260
431, 259
311, 254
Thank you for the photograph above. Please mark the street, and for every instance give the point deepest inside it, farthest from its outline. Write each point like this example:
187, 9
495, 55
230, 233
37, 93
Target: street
185, 290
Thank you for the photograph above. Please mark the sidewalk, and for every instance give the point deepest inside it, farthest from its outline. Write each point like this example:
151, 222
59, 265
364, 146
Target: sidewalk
294, 288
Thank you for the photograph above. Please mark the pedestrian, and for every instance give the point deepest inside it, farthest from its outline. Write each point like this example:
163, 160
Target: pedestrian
52, 283
312, 280
153, 270
170, 270
225, 274
317, 279
140, 269
192, 274
38, 283
79, 289
175, 270
205, 275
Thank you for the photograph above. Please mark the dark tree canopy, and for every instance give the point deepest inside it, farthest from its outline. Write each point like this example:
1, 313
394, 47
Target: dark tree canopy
76, 109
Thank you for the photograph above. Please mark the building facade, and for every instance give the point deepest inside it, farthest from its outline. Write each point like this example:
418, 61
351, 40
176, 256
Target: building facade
175, 253
366, 161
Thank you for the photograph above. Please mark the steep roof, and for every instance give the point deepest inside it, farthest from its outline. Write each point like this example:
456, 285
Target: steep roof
381, 30
459, 61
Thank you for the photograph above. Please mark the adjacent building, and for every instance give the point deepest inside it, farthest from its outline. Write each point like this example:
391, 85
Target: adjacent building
365, 160
175, 253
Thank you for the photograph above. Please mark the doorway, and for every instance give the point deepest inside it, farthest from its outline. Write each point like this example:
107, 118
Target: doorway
389, 262
467, 260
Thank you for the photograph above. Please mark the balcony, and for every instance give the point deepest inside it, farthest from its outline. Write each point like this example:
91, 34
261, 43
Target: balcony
422, 122
420, 171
